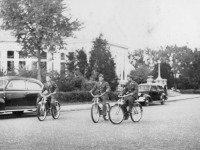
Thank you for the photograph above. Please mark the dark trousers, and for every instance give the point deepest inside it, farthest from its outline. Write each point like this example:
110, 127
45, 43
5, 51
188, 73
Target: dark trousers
129, 102
104, 99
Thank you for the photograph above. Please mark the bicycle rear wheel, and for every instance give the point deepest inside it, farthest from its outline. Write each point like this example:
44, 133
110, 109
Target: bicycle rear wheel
116, 114
56, 111
41, 111
137, 112
95, 113
107, 111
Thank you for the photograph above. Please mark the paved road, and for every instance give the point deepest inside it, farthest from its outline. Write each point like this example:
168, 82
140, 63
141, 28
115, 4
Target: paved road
174, 126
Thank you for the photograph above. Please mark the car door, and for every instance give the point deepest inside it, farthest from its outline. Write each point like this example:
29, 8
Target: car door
33, 89
160, 91
154, 93
15, 94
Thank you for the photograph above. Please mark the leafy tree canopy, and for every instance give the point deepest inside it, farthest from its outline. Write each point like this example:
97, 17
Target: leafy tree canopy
38, 25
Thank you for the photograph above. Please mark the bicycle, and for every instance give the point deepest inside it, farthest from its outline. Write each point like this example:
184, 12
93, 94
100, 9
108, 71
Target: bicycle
44, 107
96, 109
117, 115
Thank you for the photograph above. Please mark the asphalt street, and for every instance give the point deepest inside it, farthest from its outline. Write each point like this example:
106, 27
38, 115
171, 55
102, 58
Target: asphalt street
174, 126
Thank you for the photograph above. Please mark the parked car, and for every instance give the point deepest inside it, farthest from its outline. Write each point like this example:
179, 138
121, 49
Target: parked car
18, 94
151, 92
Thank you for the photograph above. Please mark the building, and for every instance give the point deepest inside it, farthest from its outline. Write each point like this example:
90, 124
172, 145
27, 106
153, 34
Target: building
10, 55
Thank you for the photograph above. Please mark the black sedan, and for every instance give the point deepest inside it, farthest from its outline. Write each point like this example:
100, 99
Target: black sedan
18, 94
151, 92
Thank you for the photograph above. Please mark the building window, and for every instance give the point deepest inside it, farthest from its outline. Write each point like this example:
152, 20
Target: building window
62, 67
10, 65
62, 56
34, 65
43, 65
21, 54
22, 64
43, 55
10, 54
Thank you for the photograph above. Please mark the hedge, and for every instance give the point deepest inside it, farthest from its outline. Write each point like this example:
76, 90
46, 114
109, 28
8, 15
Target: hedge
81, 96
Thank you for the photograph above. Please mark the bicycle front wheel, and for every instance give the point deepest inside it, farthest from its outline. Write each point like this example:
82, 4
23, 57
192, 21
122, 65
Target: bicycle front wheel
137, 112
107, 111
56, 110
41, 111
116, 114
95, 113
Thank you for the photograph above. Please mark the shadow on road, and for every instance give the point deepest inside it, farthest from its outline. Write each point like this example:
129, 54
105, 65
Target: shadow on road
11, 116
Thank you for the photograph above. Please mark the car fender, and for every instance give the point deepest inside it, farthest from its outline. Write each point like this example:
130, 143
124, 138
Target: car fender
163, 95
2, 104
147, 96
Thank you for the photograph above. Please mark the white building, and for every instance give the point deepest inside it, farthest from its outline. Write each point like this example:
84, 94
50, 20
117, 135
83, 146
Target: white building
9, 54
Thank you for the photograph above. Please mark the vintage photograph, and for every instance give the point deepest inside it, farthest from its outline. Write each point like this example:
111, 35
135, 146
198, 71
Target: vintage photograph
99, 74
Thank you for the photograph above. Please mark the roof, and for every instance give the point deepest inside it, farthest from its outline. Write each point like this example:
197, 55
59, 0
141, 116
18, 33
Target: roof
18, 77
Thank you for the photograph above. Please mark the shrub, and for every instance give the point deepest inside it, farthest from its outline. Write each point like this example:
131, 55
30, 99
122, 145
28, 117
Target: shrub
74, 96
88, 85
81, 96
113, 95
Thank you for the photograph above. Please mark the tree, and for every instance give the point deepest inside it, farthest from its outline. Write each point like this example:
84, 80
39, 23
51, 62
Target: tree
102, 62
82, 63
38, 25
71, 62
140, 74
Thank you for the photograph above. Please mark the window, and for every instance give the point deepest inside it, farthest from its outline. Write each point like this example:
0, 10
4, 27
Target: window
44, 55
10, 54
10, 65
34, 64
153, 89
34, 86
43, 65
3, 83
17, 85
21, 54
144, 87
62, 66
22, 64
62, 56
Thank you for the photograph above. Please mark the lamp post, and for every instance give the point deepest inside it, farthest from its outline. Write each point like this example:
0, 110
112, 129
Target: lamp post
159, 76
159, 80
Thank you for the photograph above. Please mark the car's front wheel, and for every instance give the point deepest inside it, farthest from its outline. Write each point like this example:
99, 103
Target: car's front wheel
147, 102
17, 113
163, 101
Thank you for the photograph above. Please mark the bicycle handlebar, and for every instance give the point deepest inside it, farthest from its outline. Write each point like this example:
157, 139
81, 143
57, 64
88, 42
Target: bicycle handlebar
97, 95
47, 95
122, 96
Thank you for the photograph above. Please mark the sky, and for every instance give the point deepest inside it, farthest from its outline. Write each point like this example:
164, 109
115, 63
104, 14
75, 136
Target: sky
138, 24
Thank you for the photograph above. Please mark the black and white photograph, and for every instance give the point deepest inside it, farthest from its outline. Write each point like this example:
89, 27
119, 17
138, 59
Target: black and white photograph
99, 74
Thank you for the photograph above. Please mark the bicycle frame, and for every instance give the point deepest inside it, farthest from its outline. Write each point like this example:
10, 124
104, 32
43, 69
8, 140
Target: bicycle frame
97, 98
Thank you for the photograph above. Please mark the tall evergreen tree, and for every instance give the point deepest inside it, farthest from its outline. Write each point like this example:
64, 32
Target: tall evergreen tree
102, 62
71, 62
82, 63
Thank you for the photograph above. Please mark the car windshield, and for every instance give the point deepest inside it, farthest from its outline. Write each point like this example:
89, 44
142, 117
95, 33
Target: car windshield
3, 83
144, 87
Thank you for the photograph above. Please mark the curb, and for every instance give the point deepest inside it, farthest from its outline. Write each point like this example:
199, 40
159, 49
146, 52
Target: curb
88, 106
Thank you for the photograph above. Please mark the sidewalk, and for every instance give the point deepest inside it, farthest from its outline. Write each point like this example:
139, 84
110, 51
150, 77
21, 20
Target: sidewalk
88, 106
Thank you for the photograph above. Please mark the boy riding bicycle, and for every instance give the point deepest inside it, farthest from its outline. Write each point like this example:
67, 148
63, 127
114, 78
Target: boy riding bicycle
131, 89
51, 87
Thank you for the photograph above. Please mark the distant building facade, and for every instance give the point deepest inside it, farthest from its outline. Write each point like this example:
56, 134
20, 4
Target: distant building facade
10, 56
